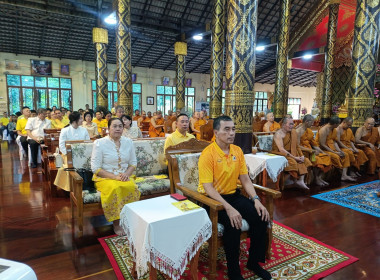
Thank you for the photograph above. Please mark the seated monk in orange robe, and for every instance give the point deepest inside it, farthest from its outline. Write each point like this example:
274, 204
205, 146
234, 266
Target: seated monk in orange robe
156, 128
369, 136
346, 142
271, 125
197, 125
136, 116
285, 143
310, 148
326, 137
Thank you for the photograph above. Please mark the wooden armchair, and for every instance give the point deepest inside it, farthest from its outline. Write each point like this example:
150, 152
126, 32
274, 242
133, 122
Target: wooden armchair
51, 142
145, 129
168, 125
184, 173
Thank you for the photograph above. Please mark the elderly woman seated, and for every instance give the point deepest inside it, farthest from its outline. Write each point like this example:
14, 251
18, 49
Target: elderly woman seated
129, 131
113, 161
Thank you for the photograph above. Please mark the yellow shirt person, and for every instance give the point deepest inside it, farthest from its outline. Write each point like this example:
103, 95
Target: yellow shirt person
59, 123
21, 124
176, 138
4, 121
220, 169
102, 123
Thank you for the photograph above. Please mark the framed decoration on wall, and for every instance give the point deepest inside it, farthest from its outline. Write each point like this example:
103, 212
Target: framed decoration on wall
165, 81
12, 64
41, 67
188, 82
64, 69
149, 100
134, 78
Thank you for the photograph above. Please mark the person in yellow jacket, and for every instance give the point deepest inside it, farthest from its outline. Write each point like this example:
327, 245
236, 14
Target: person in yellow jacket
59, 121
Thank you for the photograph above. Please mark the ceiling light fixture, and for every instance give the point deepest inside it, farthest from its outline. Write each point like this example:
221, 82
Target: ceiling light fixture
198, 37
111, 19
260, 48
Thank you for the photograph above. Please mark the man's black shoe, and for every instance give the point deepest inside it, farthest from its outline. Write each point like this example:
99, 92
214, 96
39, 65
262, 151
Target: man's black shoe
259, 271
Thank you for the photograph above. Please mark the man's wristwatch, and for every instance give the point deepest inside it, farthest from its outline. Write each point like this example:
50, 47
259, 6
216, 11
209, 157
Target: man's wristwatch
255, 197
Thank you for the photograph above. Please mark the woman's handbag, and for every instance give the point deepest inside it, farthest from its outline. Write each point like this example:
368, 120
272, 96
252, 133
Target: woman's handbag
58, 160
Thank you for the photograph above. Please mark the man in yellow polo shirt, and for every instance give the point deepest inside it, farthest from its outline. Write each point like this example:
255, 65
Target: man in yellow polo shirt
59, 121
181, 134
99, 121
220, 166
20, 128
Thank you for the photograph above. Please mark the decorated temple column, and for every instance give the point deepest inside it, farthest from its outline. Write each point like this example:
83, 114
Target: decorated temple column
364, 60
123, 55
100, 40
180, 51
240, 68
217, 58
280, 89
326, 109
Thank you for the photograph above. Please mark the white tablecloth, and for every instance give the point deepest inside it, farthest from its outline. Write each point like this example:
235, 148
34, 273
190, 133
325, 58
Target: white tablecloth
11, 270
274, 164
156, 229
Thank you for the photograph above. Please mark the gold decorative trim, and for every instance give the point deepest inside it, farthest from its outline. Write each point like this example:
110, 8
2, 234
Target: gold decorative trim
180, 48
99, 35
335, 2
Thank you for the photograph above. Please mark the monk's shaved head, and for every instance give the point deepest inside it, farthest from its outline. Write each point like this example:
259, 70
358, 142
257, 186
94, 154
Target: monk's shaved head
285, 120
348, 119
370, 120
307, 118
334, 120
269, 115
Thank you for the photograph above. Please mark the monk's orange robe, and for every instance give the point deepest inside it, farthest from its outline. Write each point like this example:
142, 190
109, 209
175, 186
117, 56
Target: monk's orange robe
336, 160
135, 118
290, 145
197, 126
359, 158
159, 131
322, 161
373, 156
274, 127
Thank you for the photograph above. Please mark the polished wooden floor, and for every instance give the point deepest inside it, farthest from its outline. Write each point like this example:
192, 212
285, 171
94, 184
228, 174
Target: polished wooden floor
36, 229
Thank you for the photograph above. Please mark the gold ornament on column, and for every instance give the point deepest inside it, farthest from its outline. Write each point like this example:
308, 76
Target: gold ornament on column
240, 68
364, 61
282, 61
180, 51
100, 40
329, 62
123, 55
217, 58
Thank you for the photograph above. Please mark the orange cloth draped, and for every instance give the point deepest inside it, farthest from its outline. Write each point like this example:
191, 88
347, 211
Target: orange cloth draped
197, 126
336, 160
274, 127
159, 131
373, 156
135, 118
322, 161
357, 159
290, 144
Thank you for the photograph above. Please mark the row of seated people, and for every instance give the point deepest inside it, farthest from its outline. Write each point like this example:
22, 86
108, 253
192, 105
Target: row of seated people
333, 146
221, 164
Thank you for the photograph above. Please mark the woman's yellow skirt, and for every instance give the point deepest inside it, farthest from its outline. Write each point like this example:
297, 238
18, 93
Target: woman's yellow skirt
115, 194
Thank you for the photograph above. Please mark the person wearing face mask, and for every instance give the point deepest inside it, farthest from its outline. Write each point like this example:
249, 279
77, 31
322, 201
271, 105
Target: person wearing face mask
129, 131
113, 161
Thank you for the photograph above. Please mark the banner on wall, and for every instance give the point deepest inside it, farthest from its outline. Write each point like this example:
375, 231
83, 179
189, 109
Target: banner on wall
202, 106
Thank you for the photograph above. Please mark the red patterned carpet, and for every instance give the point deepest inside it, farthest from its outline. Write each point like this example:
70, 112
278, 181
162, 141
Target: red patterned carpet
295, 256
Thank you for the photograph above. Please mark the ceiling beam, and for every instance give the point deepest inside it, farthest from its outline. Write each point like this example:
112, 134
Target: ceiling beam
150, 47
164, 52
202, 61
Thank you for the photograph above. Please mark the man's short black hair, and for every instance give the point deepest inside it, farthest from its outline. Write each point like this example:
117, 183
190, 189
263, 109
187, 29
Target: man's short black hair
74, 117
216, 125
181, 115
334, 120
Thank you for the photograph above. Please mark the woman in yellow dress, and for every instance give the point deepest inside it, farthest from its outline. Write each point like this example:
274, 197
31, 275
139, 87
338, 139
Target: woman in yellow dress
113, 161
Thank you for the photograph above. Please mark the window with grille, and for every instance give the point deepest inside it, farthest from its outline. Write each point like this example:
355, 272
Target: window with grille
261, 102
294, 107
38, 92
112, 95
166, 99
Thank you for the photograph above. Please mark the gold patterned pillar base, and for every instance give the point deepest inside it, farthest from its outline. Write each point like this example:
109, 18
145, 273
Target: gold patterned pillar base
217, 58
123, 55
240, 68
364, 61
100, 40
329, 63
180, 51
279, 102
